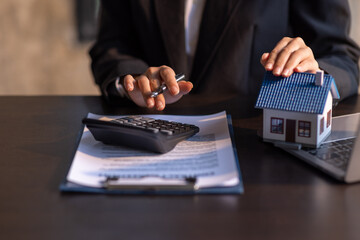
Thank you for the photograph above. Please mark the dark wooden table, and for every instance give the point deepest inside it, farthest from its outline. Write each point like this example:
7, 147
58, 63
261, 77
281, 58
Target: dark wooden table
284, 198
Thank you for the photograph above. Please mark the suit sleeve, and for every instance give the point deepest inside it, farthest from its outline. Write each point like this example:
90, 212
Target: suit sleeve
324, 25
115, 52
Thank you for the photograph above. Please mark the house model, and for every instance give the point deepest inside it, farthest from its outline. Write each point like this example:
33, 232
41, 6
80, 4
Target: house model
297, 109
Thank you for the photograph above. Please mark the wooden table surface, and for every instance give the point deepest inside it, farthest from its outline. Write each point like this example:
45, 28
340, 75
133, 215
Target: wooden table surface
284, 198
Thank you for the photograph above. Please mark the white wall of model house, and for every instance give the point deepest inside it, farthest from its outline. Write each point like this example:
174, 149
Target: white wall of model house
315, 138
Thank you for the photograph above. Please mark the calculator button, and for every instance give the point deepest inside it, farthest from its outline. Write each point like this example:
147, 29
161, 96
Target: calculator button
129, 124
168, 132
154, 130
118, 121
148, 119
125, 119
135, 117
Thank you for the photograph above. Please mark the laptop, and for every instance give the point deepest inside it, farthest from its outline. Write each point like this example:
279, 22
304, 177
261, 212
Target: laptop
339, 154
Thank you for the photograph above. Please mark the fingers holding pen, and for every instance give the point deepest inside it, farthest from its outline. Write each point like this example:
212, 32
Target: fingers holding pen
155, 82
132, 87
140, 88
162, 75
168, 76
145, 88
184, 88
129, 83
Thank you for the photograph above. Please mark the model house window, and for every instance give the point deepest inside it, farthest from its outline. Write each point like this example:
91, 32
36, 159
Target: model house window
328, 119
321, 126
277, 125
304, 129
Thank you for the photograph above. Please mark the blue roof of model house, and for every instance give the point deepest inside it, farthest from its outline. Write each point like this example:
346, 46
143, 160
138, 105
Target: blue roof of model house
296, 93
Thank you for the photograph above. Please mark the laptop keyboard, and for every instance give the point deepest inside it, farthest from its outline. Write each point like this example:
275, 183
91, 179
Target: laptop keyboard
335, 153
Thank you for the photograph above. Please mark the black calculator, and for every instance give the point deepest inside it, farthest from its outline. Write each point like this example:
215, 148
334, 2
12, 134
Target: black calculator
140, 132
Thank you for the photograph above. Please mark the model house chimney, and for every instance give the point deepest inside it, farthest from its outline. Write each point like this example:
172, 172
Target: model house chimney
319, 78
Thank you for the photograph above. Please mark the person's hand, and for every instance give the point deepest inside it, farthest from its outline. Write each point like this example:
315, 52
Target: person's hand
140, 87
290, 55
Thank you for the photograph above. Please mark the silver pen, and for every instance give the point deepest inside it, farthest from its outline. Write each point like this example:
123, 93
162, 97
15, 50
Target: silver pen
163, 87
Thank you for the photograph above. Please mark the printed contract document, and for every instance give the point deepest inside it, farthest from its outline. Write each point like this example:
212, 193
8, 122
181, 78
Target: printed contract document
208, 156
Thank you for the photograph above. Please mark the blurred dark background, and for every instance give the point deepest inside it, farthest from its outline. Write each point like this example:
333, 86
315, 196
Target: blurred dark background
44, 46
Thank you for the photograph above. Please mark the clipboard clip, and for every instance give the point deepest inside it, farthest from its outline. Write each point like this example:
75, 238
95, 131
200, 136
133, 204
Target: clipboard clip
150, 183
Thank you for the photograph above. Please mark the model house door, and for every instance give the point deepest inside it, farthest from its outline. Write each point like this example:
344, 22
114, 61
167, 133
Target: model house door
290, 130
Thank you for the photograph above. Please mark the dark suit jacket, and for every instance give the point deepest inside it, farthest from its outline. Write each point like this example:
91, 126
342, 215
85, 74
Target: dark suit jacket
136, 34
